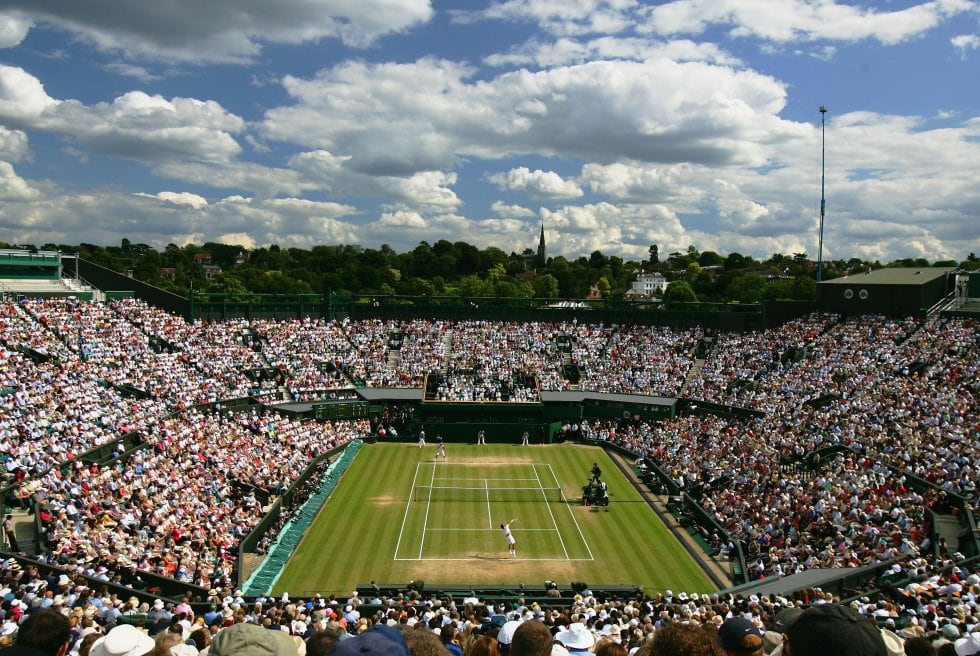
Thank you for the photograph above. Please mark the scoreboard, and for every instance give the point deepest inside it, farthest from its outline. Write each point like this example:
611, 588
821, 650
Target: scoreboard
341, 410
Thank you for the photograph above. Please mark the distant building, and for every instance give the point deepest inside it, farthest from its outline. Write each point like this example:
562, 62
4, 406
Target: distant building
168, 272
892, 291
210, 270
648, 284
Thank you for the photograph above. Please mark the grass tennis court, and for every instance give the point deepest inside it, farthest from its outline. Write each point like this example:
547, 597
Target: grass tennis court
398, 515
457, 512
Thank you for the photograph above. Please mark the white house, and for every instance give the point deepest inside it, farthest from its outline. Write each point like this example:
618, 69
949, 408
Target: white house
647, 284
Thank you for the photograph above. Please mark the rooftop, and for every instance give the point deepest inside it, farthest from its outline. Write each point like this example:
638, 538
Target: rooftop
893, 276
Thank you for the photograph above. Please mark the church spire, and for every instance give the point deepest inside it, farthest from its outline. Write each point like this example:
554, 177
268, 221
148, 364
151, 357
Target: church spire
541, 247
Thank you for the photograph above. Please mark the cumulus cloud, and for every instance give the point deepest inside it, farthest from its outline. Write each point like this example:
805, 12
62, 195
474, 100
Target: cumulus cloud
179, 198
13, 29
237, 239
657, 110
402, 219
227, 31
513, 211
537, 184
13, 145
572, 51
794, 20
563, 17
103, 216
965, 43
135, 125
13, 188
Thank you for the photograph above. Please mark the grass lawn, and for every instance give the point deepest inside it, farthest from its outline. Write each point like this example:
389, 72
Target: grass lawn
398, 515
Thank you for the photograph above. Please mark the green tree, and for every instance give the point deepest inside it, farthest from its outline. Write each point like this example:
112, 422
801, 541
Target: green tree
471, 286
604, 287
804, 288
679, 291
704, 286
147, 266
545, 286
710, 258
749, 288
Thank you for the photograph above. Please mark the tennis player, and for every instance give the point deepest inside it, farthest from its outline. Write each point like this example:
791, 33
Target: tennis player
441, 449
509, 536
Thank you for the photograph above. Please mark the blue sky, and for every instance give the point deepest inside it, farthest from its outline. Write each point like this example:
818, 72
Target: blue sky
617, 124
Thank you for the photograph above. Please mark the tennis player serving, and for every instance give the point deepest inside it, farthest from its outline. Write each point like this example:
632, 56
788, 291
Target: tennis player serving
509, 536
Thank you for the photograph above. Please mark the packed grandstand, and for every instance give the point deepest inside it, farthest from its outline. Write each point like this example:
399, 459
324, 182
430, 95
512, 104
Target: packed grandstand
900, 394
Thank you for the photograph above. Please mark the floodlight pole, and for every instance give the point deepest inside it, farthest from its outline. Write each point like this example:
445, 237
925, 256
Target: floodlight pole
823, 200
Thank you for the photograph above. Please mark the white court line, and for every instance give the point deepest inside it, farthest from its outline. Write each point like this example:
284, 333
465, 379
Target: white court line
491, 529
425, 522
575, 521
425, 527
507, 558
408, 506
469, 479
553, 520
489, 512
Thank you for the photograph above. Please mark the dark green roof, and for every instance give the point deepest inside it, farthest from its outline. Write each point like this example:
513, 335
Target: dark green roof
893, 276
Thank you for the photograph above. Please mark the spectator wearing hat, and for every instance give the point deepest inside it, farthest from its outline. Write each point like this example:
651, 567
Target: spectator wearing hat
380, 640
44, 633
968, 645
832, 629
774, 638
244, 639
740, 637
577, 639
123, 640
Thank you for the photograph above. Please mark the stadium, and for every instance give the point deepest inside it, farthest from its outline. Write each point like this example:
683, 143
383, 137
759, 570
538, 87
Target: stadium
324, 456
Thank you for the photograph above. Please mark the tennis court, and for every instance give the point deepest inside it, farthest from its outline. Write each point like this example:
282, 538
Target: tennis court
455, 510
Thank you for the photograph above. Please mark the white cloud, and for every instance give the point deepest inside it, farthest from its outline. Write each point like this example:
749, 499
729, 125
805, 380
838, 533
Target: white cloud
179, 198
13, 29
794, 20
140, 73
13, 145
134, 125
965, 43
658, 110
570, 51
402, 219
510, 211
564, 17
13, 188
237, 239
103, 216
21, 94
537, 184
228, 31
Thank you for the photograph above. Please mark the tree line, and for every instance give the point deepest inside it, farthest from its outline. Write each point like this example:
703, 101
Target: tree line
461, 269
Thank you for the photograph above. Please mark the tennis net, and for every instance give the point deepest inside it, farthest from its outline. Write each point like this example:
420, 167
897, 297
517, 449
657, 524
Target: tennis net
443, 493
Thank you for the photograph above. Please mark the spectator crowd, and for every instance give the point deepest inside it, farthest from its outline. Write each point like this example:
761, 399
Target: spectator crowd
193, 478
